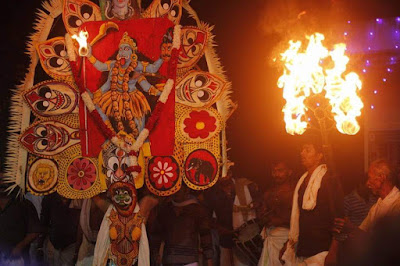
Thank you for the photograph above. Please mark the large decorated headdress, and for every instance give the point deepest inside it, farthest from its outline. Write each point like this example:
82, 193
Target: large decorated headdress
129, 41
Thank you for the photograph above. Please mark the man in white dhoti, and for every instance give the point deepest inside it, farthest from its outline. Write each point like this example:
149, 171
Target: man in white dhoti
277, 208
317, 200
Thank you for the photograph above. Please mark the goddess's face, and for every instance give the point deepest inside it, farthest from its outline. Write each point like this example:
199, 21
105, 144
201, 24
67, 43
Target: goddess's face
125, 51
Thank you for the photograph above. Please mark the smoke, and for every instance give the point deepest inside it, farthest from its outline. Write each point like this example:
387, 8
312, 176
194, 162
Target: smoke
294, 19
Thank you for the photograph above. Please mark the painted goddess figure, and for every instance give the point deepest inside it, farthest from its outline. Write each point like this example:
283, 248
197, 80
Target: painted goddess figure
118, 98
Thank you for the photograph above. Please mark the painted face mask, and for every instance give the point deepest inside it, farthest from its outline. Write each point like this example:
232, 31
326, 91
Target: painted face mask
199, 89
53, 58
77, 12
171, 9
123, 196
115, 163
52, 98
49, 138
193, 41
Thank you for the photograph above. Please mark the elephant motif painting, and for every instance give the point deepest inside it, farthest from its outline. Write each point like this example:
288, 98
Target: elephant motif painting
201, 167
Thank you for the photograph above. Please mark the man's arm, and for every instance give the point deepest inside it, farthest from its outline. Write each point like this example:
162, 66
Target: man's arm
336, 206
17, 250
205, 234
101, 202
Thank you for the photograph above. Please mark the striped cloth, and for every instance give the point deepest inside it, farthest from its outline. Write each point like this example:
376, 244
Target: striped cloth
356, 208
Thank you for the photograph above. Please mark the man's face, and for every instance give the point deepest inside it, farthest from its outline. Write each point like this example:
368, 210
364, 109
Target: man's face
280, 173
310, 157
166, 49
375, 180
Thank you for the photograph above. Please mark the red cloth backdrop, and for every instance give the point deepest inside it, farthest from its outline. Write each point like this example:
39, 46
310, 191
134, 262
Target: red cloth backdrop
149, 34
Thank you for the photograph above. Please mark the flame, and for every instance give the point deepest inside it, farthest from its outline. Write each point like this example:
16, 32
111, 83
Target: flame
304, 75
82, 41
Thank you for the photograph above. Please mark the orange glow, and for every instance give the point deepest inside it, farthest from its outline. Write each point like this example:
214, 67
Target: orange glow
82, 41
304, 75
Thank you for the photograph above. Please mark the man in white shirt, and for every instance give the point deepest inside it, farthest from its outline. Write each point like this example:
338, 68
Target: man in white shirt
382, 183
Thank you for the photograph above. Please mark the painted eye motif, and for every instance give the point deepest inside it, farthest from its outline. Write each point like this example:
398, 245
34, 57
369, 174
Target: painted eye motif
113, 163
165, 4
74, 22
56, 62
86, 11
175, 12
41, 131
200, 81
44, 92
41, 145
59, 49
203, 95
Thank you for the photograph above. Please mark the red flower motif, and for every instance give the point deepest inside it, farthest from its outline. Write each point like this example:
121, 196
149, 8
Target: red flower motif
199, 124
163, 172
81, 174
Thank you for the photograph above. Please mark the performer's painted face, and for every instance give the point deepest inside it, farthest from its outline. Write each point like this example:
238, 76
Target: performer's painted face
123, 196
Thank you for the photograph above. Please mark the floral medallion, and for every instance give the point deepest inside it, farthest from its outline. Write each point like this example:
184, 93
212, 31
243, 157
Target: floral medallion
163, 175
200, 125
81, 173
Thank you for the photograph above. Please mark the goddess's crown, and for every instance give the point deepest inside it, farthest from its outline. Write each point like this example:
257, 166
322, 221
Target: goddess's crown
128, 40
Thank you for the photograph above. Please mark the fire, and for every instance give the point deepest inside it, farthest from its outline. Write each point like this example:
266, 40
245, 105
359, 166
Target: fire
304, 75
82, 41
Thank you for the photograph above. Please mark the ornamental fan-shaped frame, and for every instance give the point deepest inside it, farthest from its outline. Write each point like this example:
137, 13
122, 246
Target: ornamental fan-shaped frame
163, 101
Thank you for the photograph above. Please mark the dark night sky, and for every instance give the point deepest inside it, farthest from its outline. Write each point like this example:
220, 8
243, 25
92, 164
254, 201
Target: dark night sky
246, 33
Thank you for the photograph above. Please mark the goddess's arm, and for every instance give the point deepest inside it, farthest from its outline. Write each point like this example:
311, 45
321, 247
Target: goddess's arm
145, 67
100, 66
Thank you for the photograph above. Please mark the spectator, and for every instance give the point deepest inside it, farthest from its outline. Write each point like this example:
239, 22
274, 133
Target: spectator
278, 205
219, 200
381, 181
61, 217
89, 224
181, 223
19, 226
358, 203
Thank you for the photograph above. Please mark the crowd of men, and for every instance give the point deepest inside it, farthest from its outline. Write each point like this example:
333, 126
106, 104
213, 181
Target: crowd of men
296, 221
